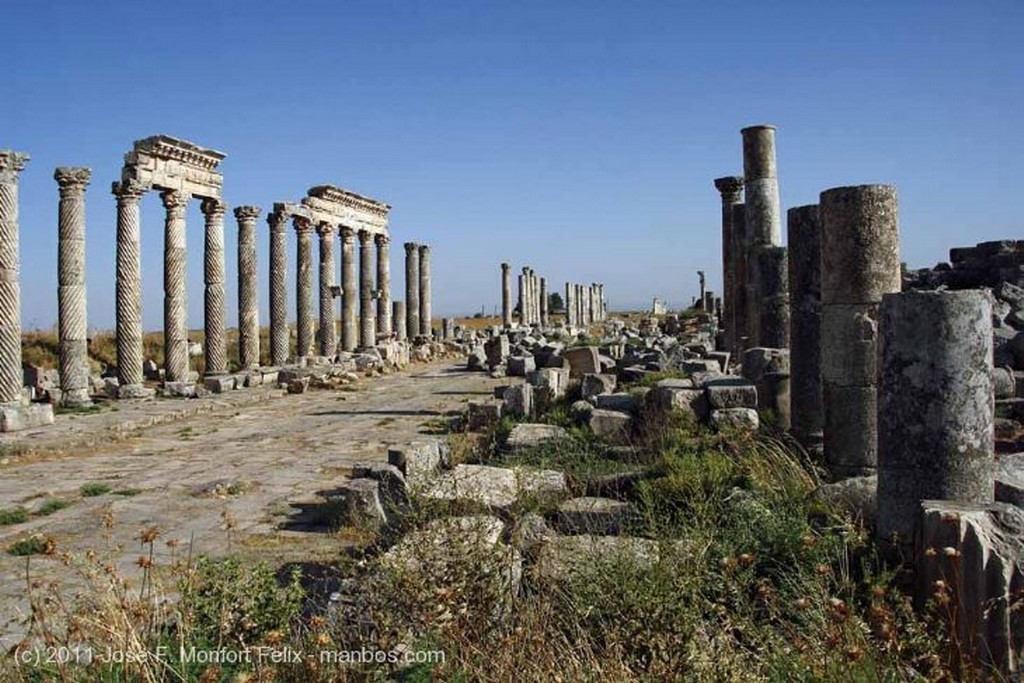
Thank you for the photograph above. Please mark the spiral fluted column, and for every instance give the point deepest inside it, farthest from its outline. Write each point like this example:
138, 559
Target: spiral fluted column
367, 322
328, 331
350, 291
72, 321
11, 378
383, 285
412, 289
128, 293
248, 300
279, 341
215, 349
303, 286
175, 287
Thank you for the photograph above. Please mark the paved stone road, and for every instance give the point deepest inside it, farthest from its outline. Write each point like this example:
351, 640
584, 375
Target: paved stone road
257, 456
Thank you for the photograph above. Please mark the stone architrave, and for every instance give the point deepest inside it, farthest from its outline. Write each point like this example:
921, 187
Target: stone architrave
328, 331
506, 295
248, 299
412, 289
383, 285
935, 404
303, 286
426, 313
215, 349
730, 189
349, 291
398, 320
367, 316
544, 321
806, 409
71, 300
176, 357
860, 262
279, 334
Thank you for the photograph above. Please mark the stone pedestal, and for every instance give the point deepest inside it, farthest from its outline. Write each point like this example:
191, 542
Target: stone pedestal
412, 289
176, 365
859, 263
935, 404
367, 316
71, 309
349, 291
506, 295
215, 347
773, 280
128, 294
279, 336
808, 418
303, 286
248, 299
384, 326
426, 312
328, 331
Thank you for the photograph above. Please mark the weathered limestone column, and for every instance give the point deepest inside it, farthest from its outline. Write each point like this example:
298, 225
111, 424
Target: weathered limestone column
279, 336
383, 285
523, 298
808, 418
859, 263
71, 309
412, 289
303, 286
762, 213
729, 188
128, 293
544, 302
426, 315
568, 303
935, 404
175, 288
506, 295
745, 319
398, 320
367, 322
248, 298
328, 331
581, 315
215, 349
773, 280
11, 377
349, 291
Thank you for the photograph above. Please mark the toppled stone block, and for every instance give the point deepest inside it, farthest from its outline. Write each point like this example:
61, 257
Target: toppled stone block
178, 390
594, 385
611, 424
483, 414
518, 400
392, 489
590, 515
623, 402
299, 385
857, 496
723, 360
360, 505
527, 435
581, 410
218, 384
494, 488
737, 418
566, 557
679, 394
582, 360
731, 392
419, 461
497, 350
519, 366
111, 386
151, 371
15, 418
477, 359
704, 365
1009, 479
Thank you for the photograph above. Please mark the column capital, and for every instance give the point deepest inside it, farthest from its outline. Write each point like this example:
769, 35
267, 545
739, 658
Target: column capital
505, 267
365, 238
302, 224
411, 247
72, 180
276, 219
128, 190
382, 239
729, 186
348, 235
12, 163
325, 230
174, 200
212, 207
247, 214
424, 249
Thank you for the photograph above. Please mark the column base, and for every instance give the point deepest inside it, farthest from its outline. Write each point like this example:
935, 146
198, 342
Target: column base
218, 384
134, 391
178, 390
75, 398
16, 417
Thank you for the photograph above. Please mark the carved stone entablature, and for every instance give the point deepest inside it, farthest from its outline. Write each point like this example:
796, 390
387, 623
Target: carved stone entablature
348, 208
167, 163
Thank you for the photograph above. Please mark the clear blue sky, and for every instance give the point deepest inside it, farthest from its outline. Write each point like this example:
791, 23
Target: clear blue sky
578, 137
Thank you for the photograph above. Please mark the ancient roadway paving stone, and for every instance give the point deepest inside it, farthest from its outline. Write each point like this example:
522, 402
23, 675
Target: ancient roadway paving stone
256, 459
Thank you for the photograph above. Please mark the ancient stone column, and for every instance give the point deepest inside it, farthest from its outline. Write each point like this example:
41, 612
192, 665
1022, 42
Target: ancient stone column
762, 213
128, 294
383, 285
248, 299
804, 232
72, 321
426, 315
303, 286
447, 329
279, 336
859, 263
215, 349
773, 280
11, 377
568, 304
175, 288
729, 188
328, 331
544, 302
398, 320
744, 286
367, 321
349, 291
412, 289
935, 404
506, 295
